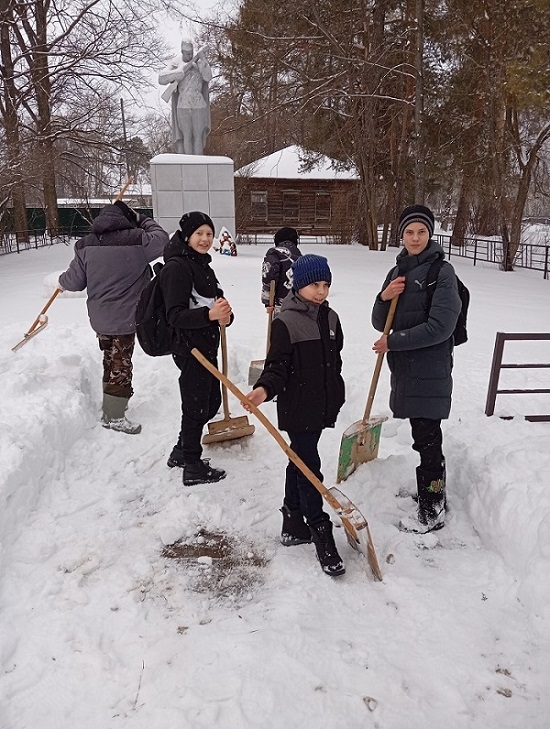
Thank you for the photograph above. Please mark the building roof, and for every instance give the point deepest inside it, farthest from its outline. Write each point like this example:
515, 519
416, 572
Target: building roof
288, 164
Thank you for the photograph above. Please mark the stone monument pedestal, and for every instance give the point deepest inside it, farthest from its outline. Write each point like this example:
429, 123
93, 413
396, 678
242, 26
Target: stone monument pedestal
184, 182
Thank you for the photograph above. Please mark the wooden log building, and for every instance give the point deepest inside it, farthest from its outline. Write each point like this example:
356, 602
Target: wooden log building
275, 192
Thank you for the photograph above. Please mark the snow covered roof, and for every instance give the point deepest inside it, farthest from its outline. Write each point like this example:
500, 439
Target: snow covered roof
132, 193
288, 164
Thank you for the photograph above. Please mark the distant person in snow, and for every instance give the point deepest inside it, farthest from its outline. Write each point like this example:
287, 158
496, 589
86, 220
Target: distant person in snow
303, 369
228, 246
277, 267
112, 263
420, 355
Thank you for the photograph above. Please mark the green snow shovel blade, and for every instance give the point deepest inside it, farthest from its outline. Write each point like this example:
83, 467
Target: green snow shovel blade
361, 440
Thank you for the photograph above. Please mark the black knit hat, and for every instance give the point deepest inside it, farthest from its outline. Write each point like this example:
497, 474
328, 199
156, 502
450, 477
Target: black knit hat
416, 214
308, 269
285, 234
190, 222
129, 214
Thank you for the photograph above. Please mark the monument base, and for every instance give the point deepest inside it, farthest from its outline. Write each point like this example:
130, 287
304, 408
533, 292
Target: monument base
184, 182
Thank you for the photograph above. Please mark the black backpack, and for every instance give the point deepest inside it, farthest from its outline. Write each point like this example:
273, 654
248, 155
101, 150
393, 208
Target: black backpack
460, 333
154, 334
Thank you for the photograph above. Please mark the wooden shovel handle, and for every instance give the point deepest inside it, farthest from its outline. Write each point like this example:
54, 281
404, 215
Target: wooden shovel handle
223, 339
126, 186
379, 360
270, 315
348, 520
308, 473
44, 310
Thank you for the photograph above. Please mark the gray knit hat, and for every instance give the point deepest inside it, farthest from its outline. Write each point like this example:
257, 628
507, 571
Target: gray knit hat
416, 214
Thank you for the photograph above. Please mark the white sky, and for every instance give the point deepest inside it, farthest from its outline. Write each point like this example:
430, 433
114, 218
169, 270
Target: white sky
98, 630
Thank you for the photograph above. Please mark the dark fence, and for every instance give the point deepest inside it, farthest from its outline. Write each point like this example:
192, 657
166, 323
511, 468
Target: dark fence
73, 223
33, 239
497, 365
529, 255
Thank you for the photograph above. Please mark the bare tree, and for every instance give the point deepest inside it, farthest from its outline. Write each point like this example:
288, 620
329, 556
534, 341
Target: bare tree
70, 60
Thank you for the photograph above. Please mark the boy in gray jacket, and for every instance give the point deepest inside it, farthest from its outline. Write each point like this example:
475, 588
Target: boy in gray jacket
112, 263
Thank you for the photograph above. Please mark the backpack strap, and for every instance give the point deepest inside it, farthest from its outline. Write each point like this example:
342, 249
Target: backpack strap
431, 278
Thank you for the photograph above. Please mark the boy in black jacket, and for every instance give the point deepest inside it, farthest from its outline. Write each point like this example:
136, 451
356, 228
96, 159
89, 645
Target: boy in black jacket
420, 355
303, 369
195, 308
277, 267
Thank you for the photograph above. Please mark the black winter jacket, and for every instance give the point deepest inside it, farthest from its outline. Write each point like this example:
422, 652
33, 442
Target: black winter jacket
303, 366
189, 287
420, 345
276, 267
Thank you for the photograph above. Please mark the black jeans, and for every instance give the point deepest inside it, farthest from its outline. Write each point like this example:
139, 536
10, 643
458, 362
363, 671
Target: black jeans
200, 401
428, 440
300, 494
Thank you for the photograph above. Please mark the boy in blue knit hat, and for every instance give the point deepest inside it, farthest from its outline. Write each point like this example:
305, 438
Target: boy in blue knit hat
303, 369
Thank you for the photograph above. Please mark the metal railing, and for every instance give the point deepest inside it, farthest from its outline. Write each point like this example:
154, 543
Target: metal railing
497, 365
33, 239
529, 255
489, 250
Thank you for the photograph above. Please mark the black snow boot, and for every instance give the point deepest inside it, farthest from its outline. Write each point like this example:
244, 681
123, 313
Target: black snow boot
176, 458
295, 530
430, 514
327, 554
201, 472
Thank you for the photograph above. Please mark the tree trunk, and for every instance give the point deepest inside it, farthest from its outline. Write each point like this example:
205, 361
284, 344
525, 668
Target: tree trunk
403, 148
419, 151
522, 193
11, 128
45, 147
460, 227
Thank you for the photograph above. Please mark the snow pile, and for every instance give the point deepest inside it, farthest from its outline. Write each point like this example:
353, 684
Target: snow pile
103, 626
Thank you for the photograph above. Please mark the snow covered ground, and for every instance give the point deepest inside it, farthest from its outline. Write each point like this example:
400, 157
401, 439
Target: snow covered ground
99, 630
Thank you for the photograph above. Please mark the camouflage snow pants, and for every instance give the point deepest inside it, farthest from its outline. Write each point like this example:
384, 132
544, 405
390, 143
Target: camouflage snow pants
117, 364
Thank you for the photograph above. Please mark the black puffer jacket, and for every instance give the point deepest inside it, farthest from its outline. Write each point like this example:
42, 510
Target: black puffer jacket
276, 267
420, 344
303, 366
190, 287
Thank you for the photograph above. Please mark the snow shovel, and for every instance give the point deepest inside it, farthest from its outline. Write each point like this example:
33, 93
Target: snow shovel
354, 523
38, 324
229, 428
41, 321
125, 187
257, 365
360, 441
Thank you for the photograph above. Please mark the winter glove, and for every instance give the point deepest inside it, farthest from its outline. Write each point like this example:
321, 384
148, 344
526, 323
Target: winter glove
128, 213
